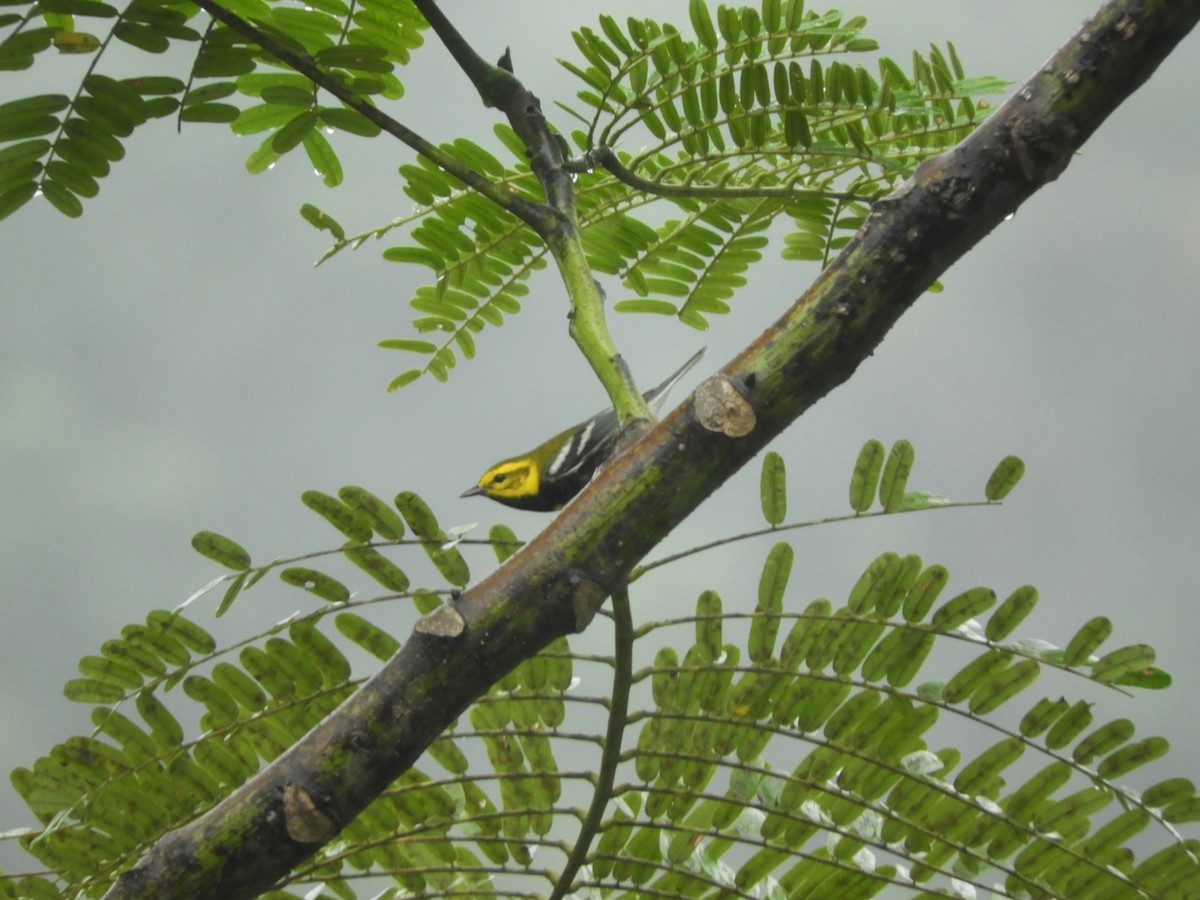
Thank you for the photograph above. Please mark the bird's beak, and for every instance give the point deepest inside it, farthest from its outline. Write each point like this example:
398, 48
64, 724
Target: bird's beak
472, 492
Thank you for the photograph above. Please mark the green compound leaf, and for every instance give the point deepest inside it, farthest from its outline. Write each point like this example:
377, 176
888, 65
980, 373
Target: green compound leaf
1103, 741
350, 121
62, 199
974, 675
294, 131
14, 198
708, 624
884, 583
323, 157
703, 24
921, 596
209, 112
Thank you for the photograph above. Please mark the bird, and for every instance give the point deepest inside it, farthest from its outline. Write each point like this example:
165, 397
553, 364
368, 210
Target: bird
546, 477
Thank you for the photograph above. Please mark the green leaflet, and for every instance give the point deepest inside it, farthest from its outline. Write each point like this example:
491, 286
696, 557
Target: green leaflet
323, 157
1119, 663
324, 586
965, 606
765, 626
1005, 477
435, 541
221, 550
1011, 613
895, 475
370, 637
1087, 640
865, 477
773, 489
379, 567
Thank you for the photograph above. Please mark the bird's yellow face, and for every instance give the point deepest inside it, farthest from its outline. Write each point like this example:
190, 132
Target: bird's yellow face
510, 480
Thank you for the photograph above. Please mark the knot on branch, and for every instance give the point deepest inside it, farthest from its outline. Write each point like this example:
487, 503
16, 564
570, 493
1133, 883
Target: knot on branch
1041, 154
305, 821
443, 622
721, 407
587, 596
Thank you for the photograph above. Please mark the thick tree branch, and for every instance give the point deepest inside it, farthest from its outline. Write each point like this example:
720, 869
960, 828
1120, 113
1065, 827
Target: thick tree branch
554, 586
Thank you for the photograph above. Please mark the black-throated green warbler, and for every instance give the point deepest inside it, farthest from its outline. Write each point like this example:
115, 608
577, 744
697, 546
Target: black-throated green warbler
549, 475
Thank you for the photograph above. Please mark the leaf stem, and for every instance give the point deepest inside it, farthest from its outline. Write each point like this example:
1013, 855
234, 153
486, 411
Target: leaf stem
606, 158
639, 571
618, 720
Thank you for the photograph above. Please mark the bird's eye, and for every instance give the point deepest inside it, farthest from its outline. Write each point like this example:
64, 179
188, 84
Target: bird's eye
499, 479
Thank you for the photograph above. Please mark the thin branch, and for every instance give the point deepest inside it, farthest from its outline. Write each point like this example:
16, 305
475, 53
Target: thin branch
500, 88
496, 85
618, 721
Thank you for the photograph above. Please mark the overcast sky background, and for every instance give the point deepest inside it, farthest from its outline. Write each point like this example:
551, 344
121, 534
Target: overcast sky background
172, 362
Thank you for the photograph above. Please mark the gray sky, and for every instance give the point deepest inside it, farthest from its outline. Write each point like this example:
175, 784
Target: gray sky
172, 362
